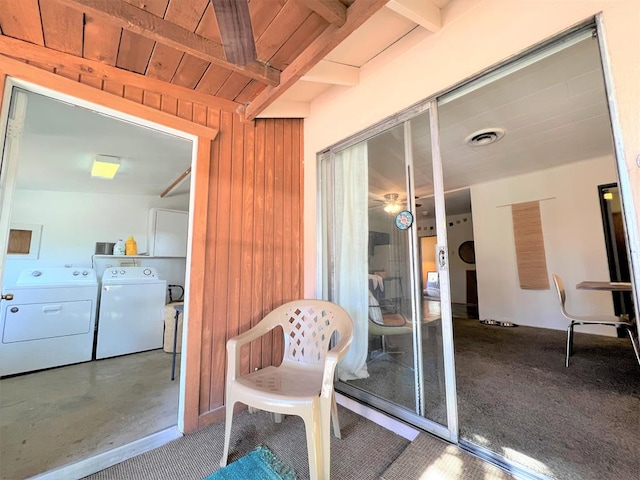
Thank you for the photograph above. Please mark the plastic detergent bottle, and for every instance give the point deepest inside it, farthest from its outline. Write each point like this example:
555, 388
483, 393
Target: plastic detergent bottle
131, 247
118, 248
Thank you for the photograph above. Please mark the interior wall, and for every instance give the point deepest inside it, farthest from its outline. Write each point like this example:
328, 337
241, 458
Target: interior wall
573, 240
472, 40
72, 223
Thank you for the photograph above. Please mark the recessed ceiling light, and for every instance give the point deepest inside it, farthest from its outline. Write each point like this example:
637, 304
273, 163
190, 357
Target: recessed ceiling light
483, 137
105, 166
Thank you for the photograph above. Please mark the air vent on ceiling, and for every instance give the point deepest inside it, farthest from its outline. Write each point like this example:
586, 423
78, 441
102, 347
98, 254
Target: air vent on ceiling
484, 137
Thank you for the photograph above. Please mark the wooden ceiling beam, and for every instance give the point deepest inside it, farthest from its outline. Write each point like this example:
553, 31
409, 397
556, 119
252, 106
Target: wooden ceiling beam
234, 23
162, 31
358, 13
332, 11
84, 66
29, 73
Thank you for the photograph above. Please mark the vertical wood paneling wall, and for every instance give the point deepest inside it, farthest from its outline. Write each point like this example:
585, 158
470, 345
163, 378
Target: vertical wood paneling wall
254, 243
247, 232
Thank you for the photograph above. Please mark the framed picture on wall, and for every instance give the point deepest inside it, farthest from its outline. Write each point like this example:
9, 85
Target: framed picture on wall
24, 241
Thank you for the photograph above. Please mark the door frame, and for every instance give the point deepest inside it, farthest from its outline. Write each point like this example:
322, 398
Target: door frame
450, 431
33, 80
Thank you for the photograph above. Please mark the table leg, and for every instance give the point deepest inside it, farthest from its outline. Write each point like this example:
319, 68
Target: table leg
175, 342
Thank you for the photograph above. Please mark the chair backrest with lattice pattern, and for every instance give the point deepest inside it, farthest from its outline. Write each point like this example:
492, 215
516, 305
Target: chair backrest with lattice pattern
308, 326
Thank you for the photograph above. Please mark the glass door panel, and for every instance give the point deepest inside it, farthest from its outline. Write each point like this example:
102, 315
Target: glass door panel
385, 276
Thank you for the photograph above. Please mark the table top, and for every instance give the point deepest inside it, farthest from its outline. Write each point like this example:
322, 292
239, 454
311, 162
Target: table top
609, 286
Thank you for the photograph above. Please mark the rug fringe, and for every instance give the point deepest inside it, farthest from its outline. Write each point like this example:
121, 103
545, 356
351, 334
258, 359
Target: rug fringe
278, 466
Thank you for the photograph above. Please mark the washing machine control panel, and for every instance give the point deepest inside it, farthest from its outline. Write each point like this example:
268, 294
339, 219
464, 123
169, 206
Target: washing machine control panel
130, 273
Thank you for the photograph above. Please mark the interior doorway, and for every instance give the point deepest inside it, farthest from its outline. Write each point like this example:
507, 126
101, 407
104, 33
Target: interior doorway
616, 242
83, 407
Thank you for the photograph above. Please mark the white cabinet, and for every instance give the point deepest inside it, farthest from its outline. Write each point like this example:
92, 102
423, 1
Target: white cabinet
168, 232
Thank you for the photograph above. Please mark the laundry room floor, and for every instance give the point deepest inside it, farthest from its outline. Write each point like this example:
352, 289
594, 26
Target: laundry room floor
59, 416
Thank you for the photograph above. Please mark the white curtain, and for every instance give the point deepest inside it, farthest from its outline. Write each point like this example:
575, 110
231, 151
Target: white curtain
351, 248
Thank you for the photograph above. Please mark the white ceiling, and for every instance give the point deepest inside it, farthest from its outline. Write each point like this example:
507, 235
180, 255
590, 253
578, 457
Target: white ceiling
554, 112
60, 141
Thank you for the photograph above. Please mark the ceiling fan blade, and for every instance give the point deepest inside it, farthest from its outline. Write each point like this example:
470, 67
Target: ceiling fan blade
236, 31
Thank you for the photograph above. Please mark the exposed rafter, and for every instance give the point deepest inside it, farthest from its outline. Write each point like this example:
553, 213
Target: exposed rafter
82, 66
234, 23
423, 12
162, 31
358, 13
332, 11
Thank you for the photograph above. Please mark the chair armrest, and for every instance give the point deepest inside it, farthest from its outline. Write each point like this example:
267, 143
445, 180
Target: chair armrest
234, 344
331, 361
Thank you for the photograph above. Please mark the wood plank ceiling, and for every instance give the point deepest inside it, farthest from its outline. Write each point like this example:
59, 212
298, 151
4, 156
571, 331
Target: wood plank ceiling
179, 41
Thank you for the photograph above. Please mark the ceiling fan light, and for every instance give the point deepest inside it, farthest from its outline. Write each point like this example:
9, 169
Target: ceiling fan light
392, 208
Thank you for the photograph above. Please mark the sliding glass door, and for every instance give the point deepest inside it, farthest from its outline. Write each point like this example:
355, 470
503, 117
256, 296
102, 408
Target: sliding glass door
379, 202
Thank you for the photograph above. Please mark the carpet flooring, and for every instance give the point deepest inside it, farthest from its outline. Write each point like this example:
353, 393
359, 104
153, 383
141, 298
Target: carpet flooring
365, 451
516, 397
428, 458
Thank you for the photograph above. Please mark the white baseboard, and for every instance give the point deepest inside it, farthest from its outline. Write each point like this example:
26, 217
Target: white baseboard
380, 418
104, 460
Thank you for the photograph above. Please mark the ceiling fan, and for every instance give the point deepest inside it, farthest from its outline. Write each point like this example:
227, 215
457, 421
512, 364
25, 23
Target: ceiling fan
392, 203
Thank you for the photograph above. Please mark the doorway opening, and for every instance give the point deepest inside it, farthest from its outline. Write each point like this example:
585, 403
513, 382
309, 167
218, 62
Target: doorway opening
71, 408
617, 248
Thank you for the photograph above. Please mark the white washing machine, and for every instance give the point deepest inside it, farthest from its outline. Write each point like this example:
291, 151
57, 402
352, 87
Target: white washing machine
131, 317
50, 320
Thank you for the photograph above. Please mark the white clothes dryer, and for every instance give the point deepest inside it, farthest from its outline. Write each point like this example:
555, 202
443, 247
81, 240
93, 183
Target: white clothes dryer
50, 321
131, 316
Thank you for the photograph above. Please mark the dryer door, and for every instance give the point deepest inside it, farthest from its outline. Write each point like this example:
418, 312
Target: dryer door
45, 320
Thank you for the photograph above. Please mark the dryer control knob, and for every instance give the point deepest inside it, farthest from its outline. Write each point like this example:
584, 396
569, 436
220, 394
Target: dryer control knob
146, 271
85, 273
121, 272
76, 273
114, 272
36, 273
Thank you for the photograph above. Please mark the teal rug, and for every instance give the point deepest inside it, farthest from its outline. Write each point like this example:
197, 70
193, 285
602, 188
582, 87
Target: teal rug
259, 464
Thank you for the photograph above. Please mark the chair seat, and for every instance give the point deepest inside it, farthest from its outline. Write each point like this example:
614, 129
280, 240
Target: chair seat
393, 320
284, 381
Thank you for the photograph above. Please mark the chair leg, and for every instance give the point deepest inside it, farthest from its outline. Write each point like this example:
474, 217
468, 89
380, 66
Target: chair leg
633, 343
325, 433
334, 416
569, 343
227, 432
313, 429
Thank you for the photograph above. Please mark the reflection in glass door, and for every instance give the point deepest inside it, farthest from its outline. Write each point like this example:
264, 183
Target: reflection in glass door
374, 270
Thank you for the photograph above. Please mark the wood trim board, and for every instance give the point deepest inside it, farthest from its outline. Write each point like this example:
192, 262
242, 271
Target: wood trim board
22, 71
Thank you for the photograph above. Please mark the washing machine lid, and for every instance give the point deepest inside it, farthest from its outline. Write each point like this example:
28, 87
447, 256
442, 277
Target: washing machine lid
47, 277
125, 275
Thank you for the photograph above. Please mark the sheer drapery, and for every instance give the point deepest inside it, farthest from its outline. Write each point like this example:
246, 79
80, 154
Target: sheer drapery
351, 253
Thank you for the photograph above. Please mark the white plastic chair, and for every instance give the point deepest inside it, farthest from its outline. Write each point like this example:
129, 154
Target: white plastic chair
589, 320
303, 383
